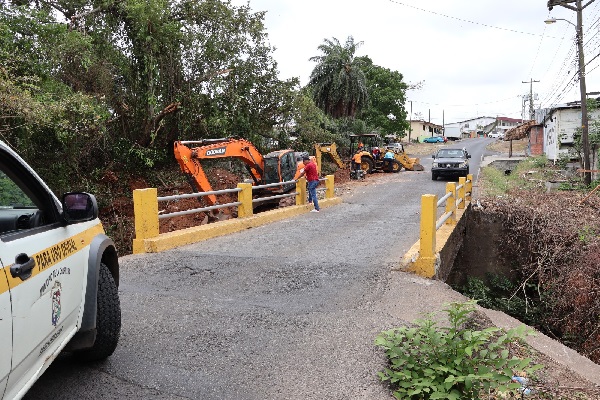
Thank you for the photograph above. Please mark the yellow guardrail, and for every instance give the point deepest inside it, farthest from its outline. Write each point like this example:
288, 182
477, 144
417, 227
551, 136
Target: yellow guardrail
147, 216
457, 196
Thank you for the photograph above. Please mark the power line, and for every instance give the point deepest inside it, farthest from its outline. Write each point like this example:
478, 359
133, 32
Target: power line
466, 20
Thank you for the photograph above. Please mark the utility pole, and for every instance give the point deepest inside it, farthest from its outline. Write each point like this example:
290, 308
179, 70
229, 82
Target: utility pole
531, 111
410, 122
444, 122
585, 141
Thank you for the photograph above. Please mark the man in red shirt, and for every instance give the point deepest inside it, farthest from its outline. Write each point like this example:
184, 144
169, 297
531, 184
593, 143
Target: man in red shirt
312, 176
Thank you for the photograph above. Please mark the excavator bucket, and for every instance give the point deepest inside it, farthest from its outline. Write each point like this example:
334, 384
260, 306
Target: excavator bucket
417, 167
410, 164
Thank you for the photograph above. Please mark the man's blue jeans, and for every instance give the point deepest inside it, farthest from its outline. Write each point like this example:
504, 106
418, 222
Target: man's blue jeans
312, 193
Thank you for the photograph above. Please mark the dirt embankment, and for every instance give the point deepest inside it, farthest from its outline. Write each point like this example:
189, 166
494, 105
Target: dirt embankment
117, 215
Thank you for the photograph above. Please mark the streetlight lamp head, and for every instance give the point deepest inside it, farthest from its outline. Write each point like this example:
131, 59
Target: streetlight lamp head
550, 21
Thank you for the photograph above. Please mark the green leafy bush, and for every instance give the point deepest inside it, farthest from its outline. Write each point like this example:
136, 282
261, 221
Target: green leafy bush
526, 302
431, 362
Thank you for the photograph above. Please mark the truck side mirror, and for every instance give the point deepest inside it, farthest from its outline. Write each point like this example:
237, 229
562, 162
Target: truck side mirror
79, 207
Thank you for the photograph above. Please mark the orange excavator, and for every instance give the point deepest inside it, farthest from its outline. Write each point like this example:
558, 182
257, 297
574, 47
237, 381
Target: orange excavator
278, 166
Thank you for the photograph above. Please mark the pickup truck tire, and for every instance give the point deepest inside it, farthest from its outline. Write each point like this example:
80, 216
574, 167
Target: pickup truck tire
108, 319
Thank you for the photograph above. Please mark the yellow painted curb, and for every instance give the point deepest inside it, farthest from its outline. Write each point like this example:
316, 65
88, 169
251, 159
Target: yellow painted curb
170, 240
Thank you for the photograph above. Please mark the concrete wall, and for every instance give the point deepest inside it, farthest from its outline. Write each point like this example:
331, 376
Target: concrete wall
480, 254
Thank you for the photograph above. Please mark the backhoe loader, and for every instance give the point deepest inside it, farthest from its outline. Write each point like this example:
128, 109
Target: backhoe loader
372, 150
327, 148
274, 167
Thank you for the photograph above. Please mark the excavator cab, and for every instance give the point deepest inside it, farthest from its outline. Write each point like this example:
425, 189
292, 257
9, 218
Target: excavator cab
280, 166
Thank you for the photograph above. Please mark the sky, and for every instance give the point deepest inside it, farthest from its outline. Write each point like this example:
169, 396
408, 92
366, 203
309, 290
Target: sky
472, 56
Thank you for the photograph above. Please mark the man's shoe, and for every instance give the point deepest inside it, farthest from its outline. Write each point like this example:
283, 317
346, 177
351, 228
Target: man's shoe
314, 210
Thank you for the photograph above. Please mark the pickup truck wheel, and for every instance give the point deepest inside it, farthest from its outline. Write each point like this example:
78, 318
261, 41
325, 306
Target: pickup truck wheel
108, 319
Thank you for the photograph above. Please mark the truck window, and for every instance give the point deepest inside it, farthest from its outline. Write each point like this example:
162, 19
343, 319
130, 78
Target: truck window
11, 196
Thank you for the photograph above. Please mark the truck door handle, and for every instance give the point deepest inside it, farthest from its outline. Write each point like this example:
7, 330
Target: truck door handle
22, 267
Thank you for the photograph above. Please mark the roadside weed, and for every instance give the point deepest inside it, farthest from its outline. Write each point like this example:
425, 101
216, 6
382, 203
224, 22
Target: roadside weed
431, 362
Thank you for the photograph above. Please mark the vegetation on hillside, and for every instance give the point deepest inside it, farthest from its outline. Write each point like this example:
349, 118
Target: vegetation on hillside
552, 243
93, 95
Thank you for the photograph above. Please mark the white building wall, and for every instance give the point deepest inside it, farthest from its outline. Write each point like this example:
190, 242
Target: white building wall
464, 128
559, 129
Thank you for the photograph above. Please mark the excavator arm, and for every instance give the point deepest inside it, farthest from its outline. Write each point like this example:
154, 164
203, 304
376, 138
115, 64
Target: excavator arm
190, 160
327, 148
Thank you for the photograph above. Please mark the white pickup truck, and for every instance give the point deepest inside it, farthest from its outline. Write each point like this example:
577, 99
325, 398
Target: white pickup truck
59, 275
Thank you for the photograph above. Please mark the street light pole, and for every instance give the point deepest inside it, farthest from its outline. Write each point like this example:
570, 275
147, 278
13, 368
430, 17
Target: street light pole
584, 116
585, 142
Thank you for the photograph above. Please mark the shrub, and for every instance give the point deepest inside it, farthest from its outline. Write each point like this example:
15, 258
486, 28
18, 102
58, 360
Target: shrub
430, 362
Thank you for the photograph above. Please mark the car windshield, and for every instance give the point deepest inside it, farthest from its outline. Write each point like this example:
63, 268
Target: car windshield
449, 153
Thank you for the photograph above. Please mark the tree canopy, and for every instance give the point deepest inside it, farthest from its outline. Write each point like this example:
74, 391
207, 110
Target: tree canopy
118, 81
385, 111
338, 81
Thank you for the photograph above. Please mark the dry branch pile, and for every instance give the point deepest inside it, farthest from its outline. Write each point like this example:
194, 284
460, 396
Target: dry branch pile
552, 241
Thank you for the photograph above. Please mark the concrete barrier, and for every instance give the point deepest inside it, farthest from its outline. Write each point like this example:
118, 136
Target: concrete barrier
425, 257
149, 240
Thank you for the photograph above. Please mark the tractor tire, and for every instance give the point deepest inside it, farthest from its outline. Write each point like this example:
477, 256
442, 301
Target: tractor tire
108, 319
396, 167
366, 164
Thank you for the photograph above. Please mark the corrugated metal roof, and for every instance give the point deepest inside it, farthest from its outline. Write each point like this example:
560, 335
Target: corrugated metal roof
520, 131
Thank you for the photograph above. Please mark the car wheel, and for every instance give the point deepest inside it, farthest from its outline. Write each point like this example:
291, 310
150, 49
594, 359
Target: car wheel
108, 319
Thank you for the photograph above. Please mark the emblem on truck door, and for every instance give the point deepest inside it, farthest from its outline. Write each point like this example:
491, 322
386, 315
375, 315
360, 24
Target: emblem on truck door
55, 296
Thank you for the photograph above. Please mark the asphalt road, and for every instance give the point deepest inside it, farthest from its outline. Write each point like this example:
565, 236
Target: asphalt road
288, 310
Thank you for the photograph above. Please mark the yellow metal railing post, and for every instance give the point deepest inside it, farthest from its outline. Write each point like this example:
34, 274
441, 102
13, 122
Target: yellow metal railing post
469, 188
424, 265
461, 192
145, 211
301, 190
329, 187
245, 197
451, 203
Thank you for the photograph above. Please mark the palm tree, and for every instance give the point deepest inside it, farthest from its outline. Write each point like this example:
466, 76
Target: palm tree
338, 83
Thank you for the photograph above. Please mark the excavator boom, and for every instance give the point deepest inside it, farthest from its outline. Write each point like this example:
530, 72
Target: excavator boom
189, 159
327, 148
277, 166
